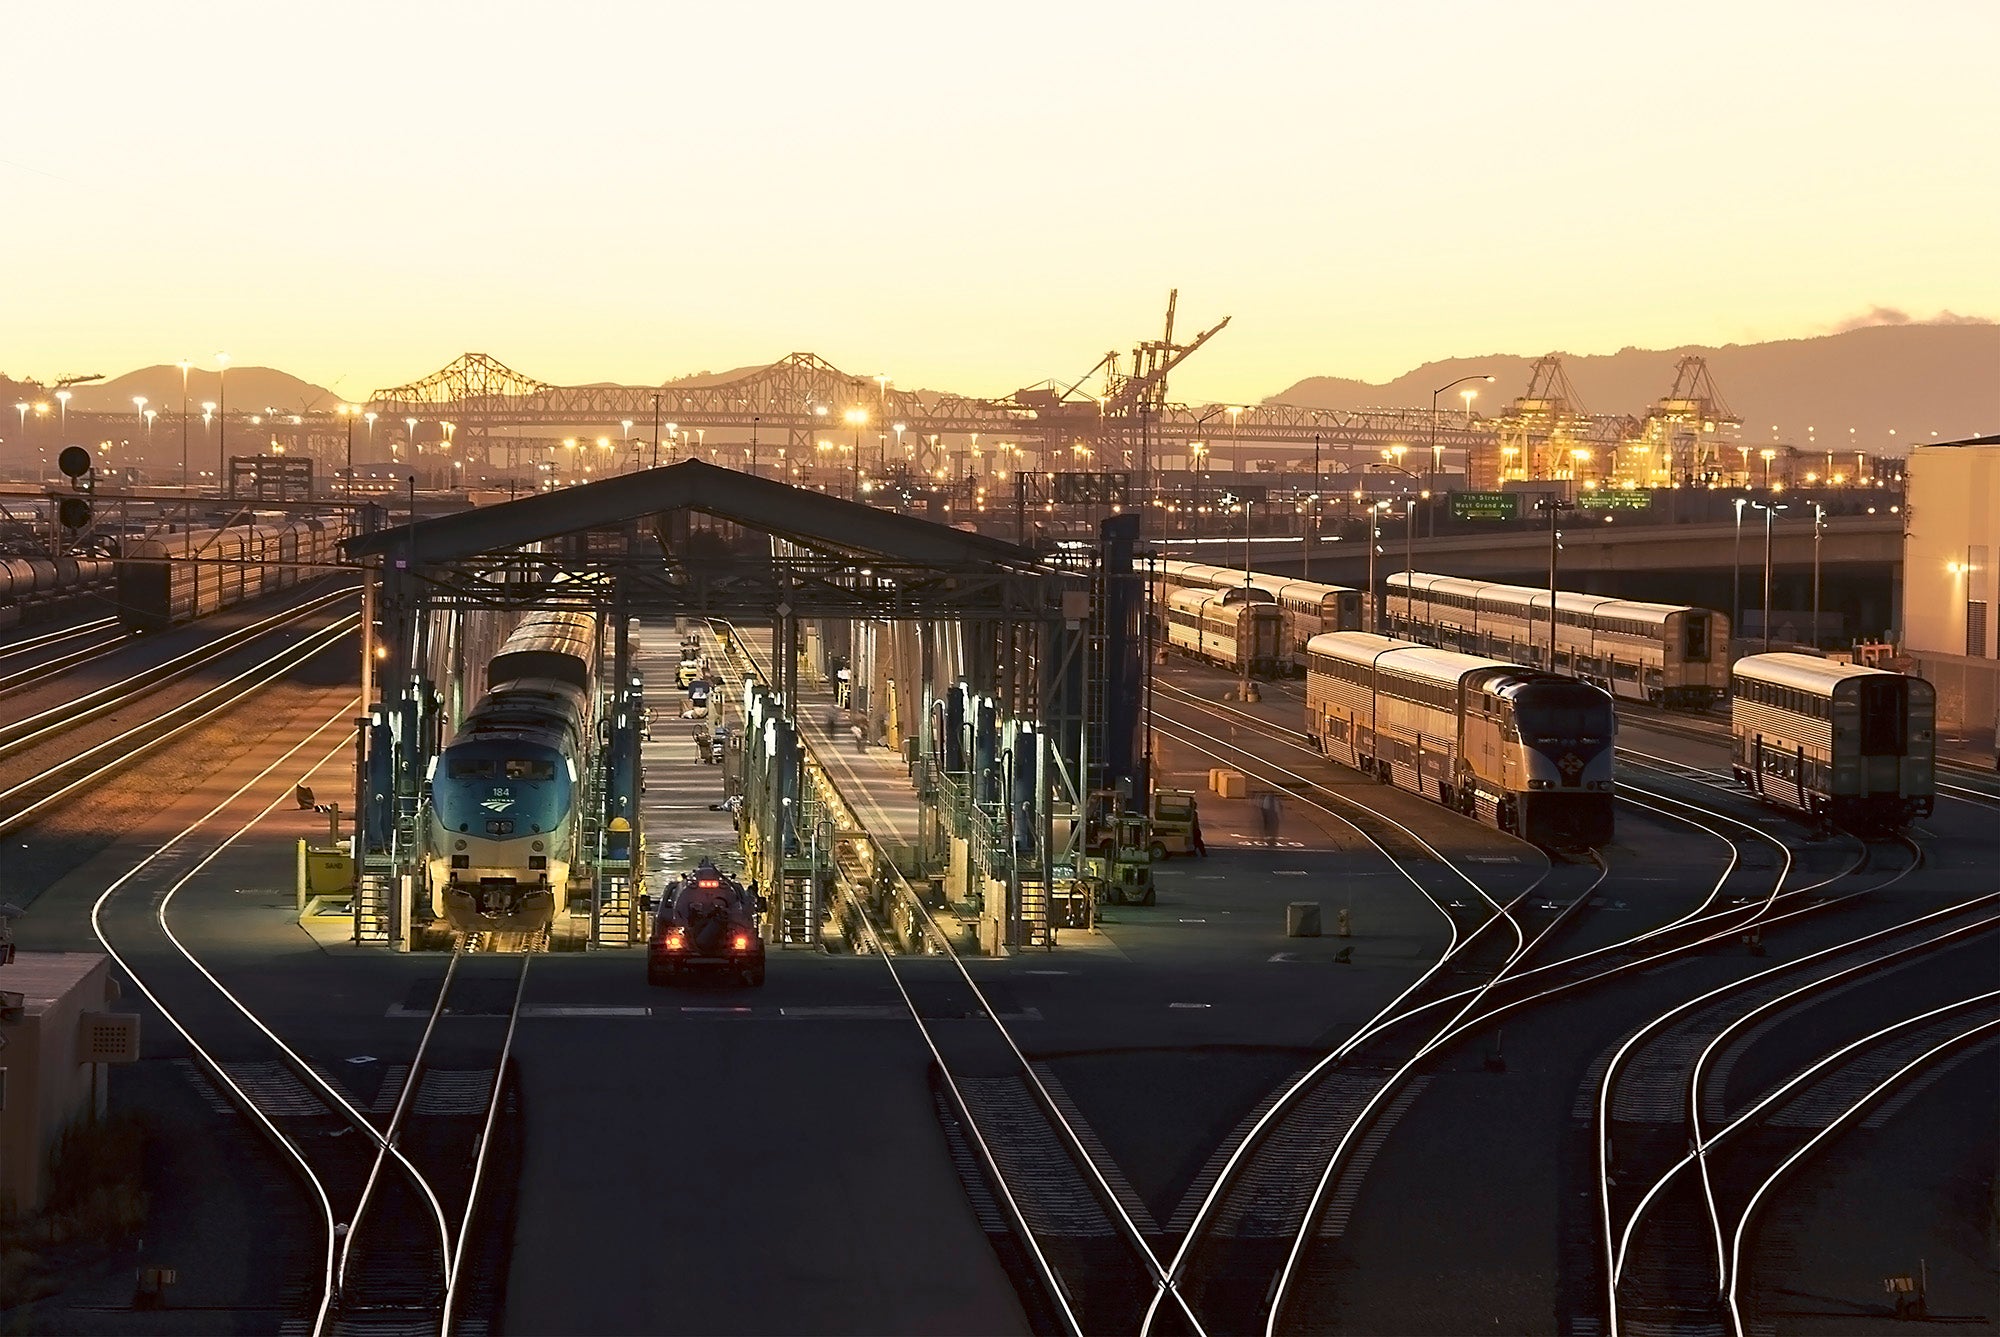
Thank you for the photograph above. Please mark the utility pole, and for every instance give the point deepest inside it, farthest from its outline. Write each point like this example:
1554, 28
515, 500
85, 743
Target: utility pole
656, 431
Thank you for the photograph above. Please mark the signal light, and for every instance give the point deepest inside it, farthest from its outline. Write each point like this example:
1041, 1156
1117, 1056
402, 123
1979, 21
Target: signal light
74, 461
74, 512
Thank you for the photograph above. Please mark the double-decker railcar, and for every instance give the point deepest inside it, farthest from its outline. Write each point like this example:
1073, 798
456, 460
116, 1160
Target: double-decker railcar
176, 576
502, 829
1841, 742
1521, 749
1241, 629
1665, 654
1308, 607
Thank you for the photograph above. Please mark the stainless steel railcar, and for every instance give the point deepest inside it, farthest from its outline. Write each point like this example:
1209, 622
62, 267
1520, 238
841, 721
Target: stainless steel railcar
1239, 629
1523, 750
170, 577
501, 829
1841, 742
1308, 606
1666, 654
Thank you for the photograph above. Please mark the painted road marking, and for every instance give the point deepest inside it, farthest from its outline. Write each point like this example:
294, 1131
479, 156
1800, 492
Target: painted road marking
1283, 956
1188, 1005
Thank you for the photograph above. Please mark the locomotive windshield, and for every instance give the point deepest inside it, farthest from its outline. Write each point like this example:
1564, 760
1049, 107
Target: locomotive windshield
1567, 710
502, 768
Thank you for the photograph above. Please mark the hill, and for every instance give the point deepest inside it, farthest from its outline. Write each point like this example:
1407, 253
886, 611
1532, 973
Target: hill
1914, 378
250, 390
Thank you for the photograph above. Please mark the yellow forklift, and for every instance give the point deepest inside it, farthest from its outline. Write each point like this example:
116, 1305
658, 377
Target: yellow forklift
1117, 865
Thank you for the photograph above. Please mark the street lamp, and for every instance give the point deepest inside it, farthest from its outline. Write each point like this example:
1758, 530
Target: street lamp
1736, 575
349, 411
185, 367
1770, 519
856, 418
149, 415
1374, 546
1475, 376
221, 422
1767, 454
62, 415
1819, 529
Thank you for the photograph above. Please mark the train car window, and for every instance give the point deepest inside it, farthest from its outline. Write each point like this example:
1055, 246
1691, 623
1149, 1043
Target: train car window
1694, 643
1885, 709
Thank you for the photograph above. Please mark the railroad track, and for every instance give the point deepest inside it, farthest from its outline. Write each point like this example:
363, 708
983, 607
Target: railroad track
1680, 1163
1304, 1273
21, 734
395, 1209
103, 634
27, 798
1059, 1212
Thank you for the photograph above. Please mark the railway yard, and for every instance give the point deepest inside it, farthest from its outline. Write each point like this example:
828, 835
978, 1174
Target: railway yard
1730, 1070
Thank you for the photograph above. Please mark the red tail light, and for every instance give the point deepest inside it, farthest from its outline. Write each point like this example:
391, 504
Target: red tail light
675, 941
743, 942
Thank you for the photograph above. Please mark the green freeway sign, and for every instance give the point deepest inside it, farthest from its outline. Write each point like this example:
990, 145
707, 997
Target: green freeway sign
1485, 505
1617, 499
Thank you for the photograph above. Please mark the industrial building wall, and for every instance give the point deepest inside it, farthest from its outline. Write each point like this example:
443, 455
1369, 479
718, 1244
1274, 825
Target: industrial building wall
46, 1089
1951, 535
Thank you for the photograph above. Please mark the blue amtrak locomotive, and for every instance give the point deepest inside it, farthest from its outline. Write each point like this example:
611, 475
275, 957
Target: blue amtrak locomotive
502, 828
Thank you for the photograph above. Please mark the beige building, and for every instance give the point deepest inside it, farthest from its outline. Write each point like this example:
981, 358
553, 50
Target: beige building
57, 1035
1950, 539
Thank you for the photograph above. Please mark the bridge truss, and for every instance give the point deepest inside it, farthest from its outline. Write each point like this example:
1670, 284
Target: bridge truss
802, 400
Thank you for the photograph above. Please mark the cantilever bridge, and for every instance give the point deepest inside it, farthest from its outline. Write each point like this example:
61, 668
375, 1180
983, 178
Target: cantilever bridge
803, 398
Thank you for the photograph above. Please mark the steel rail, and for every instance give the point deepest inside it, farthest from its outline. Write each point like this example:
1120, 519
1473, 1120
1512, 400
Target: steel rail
243, 1099
215, 701
1838, 1122
455, 1260
1050, 1277
394, 1132
33, 728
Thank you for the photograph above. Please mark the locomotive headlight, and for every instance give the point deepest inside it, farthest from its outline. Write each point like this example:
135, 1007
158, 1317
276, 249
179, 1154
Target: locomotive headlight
536, 846
458, 844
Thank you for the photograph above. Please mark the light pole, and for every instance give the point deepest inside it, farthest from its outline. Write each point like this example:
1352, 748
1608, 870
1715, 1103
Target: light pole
626, 449
1768, 455
1312, 534
1555, 554
1374, 536
62, 415
348, 411
221, 423
1409, 529
370, 418
185, 367
1819, 528
1736, 575
856, 419
1435, 453
1770, 519
149, 415
139, 408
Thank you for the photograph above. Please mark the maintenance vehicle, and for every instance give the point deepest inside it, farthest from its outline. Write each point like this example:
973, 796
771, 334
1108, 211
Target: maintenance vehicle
707, 924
